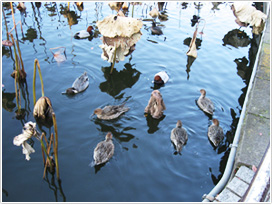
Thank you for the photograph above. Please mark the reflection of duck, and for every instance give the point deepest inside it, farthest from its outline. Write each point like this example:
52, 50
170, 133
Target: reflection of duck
204, 103
155, 105
155, 29
104, 150
215, 133
79, 85
179, 136
111, 111
84, 33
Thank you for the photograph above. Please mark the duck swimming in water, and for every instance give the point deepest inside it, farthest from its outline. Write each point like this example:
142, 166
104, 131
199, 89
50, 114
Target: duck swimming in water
110, 112
84, 33
79, 85
215, 133
104, 150
204, 103
155, 29
155, 105
161, 78
179, 136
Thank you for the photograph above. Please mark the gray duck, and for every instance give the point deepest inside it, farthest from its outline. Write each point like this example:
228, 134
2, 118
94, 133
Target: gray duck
204, 103
179, 136
104, 150
110, 112
215, 133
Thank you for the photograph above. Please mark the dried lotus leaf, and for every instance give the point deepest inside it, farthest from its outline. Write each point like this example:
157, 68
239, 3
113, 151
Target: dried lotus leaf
123, 45
154, 13
113, 26
43, 111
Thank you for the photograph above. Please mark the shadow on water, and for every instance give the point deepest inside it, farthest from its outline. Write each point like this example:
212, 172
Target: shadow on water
119, 80
118, 132
153, 123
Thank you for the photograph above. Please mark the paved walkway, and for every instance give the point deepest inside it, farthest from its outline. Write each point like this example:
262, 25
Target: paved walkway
255, 131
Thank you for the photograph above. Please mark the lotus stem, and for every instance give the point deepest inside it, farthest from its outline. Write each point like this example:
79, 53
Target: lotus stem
48, 152
43, 135
36, 62
16, 94
68, 6
56, 143
5, 23
132, 10
16, 58
11, 6
114, 59
44, 149
19, 51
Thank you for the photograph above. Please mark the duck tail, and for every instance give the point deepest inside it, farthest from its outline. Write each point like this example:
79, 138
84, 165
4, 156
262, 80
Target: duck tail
92, 164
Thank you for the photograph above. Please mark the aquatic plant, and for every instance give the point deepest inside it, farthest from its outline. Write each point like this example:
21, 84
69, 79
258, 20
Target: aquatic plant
120, 34
43, 113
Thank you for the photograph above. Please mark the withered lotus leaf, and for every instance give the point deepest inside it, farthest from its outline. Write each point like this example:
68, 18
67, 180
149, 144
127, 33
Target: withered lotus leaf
43, 111
114, 25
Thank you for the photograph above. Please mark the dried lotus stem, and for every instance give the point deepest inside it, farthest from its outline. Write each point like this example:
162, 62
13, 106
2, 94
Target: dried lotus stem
43, 135
55, 145
48, 152
36, 62
44, 149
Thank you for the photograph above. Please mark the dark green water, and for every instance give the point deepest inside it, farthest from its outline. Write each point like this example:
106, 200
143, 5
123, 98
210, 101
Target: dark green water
144, 167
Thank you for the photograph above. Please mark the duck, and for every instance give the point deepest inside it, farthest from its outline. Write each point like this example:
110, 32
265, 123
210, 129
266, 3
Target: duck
79, 85
215, 133
104, 150
84, 33
155, 29
161, 78
155, 106
110, 112
179, 136
204, 103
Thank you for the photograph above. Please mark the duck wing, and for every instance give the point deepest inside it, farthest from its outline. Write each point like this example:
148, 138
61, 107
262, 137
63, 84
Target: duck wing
206, 105
103, 152
179, 136
81, 83
114, 111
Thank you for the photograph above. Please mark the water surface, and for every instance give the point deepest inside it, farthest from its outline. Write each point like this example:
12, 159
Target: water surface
144, 167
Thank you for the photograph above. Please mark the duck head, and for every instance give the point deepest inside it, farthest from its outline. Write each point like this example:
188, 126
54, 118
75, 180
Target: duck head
71, 91
108, 136
215, 122
158, 80
179, 124
203, 92
97, 111
90, 29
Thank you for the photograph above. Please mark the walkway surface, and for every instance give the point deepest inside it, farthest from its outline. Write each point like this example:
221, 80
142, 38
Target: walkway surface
255, 131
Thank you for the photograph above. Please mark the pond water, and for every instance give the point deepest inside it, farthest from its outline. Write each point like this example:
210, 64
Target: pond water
145, 167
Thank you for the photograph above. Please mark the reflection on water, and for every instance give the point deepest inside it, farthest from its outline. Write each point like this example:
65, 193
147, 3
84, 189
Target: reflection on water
153, 123
118, 132
190, 60
42, 20
236, 38
56, 188
7, 101
119, 80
